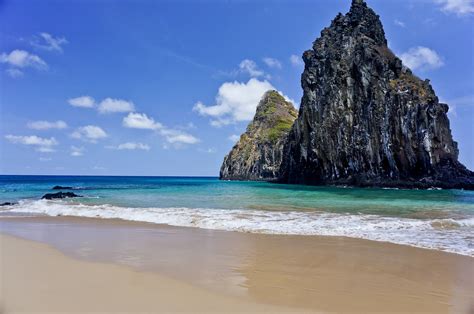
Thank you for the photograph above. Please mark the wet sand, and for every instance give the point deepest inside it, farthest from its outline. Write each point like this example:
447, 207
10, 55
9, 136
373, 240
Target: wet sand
91, 265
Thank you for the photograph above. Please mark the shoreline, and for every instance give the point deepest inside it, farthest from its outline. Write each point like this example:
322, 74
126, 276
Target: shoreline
119, 221
313, 273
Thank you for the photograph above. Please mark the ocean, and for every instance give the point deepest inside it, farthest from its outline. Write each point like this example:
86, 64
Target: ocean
433, 219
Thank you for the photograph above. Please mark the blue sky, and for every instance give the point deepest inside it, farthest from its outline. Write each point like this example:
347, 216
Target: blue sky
163, 87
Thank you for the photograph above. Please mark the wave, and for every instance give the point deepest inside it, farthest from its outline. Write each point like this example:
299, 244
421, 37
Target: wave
450, 235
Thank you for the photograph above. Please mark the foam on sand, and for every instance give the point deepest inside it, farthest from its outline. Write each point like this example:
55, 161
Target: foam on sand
450, 235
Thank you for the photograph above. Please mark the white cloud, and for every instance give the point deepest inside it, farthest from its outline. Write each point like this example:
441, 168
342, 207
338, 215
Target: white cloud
272, 63
109, 105
45, 159
142, 121
296, 60
48, 42
46, 125
89, 133
458, 7
44, 145
422, 58
250, 67
23, 59
235, 102
82, 101
130, 146
234, 138
399, 23
15, 73
178, 137
77, 151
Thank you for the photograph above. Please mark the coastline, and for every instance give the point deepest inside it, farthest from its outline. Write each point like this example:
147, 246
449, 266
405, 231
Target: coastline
233, 271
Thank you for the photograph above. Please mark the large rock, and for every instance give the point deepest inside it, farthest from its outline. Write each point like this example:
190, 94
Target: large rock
258, 153
59, 195
366, 119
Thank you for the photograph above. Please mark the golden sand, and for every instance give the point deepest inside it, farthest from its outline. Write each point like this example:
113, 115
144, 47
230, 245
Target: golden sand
203, 271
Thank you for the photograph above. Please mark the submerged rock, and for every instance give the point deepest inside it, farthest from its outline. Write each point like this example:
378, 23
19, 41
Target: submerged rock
7, 204
365, 118
50, 196
59, 187
258, 153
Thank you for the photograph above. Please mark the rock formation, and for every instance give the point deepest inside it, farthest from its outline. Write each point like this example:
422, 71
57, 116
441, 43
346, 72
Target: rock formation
60, 187
59, 195
366, 119
258, 153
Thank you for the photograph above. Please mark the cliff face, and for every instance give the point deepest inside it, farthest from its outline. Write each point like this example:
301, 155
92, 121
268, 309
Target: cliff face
259, 152
365, 119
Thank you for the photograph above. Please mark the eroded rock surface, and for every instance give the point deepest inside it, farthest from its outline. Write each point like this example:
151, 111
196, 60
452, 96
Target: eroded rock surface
365, 119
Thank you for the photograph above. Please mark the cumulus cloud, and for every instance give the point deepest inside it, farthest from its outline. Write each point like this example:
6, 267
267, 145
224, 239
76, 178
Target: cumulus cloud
142, 121
77, 151
234, 138
296, 60
110, 105
49, 42
178, 137
107, 105
251, 68
130, 146
22, 59
82, 101
90, 133
44, 145
272, 63
458, 7
235, 102
46, 125
421, 58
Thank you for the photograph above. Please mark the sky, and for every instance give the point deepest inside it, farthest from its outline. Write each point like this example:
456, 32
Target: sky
101, 87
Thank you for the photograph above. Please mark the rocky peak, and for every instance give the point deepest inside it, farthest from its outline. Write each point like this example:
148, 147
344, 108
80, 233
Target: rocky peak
258, 153
364, 118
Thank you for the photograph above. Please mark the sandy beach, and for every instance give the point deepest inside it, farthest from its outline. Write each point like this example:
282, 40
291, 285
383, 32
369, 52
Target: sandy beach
64, 264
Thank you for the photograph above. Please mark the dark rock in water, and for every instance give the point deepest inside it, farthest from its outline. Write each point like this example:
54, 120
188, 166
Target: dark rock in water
59, 187
7, 204
258, 153
51, 196
365, 119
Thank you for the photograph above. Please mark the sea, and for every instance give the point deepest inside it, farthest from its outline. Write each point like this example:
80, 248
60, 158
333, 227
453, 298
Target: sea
432, 219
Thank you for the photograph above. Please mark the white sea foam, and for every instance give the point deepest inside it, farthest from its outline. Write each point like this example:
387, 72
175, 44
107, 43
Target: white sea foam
451, 235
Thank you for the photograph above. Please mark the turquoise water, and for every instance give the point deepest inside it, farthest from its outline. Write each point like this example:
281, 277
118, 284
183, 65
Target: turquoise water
437, 219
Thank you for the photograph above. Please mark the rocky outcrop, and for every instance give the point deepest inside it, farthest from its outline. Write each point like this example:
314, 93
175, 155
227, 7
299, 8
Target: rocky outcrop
7, 204
59, 195
60, 187
365, 119
258, 153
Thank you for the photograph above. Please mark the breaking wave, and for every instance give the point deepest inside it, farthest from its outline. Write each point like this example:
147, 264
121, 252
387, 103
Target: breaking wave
450, 235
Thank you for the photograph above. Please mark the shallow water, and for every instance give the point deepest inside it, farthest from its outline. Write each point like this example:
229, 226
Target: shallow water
435, 219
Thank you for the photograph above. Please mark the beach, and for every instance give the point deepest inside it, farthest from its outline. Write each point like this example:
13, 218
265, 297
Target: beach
70, 264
